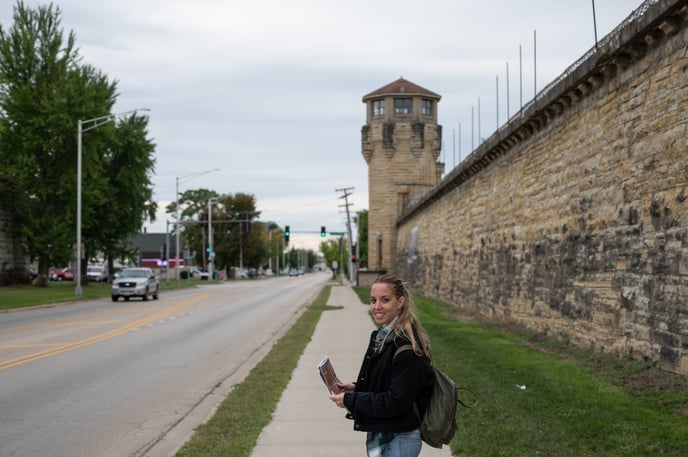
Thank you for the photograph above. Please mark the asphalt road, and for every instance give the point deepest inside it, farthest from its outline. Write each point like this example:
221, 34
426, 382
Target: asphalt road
103, 379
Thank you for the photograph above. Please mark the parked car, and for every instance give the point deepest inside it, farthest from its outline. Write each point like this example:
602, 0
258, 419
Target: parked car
198, 274
64, 274
135, 282
96, 273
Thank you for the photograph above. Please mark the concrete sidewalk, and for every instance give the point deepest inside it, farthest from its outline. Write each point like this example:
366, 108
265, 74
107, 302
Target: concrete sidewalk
305, 421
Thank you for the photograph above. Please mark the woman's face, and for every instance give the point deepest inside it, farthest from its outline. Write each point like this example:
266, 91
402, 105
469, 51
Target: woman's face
384, 305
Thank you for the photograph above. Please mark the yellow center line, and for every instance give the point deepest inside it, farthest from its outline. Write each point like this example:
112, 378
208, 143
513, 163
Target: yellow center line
28, 345
67, 321
98, 338
78, 323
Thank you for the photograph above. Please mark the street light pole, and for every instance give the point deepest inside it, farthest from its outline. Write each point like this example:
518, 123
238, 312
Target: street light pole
183, 179
91, 124
176, 235
211, 254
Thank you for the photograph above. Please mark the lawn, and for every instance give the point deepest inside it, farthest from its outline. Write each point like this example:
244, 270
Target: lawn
544, 397
63, 291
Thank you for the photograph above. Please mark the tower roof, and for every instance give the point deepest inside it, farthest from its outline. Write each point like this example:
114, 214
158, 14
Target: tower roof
402, 87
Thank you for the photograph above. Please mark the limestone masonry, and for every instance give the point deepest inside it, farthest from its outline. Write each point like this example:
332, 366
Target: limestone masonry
573, 218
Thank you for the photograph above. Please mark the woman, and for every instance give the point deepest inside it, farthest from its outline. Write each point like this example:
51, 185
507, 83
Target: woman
391, 390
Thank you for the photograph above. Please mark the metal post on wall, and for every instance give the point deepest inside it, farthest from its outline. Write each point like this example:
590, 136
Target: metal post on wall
594, 23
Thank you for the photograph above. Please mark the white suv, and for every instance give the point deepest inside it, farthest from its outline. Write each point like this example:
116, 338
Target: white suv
135, 282
96, 273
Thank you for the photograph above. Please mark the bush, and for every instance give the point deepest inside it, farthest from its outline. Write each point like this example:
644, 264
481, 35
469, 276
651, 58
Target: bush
14, 277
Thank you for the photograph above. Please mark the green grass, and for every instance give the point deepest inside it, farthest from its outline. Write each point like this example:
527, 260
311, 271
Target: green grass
575, 402
63, 291
570, 407
234, 428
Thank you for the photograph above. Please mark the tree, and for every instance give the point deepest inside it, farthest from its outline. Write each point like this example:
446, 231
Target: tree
336, 250
232, 243
235, 245
35, 146
275, 240
300, 258
193, 208
44, 91
126, 199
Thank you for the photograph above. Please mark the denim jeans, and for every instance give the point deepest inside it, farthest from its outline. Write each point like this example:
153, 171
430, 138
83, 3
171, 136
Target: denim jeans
405, 444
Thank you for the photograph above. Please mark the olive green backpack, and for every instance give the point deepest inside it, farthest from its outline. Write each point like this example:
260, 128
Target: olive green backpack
438, 424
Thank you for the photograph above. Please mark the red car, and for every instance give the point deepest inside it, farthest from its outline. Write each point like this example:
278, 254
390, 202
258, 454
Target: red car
65, 274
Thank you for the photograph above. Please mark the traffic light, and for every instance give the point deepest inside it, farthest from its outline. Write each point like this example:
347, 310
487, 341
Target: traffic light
286, 234
353, 253
207, 249
323, 232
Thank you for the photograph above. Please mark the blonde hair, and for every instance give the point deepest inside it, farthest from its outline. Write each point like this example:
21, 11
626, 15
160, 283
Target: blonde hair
407, 323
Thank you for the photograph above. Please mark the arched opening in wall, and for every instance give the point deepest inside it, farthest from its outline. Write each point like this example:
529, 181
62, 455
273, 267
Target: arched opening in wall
402, 202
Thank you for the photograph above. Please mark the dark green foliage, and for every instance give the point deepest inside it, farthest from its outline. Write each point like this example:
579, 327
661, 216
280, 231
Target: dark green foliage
44, 90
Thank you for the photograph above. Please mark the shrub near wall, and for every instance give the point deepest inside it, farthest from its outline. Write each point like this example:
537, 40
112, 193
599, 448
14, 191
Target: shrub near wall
12, 258
579, 226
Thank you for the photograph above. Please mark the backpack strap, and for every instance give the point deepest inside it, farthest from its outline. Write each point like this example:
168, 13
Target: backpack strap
465, 405
408, 347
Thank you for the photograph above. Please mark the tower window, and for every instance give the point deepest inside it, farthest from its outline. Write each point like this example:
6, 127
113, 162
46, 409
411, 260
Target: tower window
378, 107
402, 106
426, 108
402, 202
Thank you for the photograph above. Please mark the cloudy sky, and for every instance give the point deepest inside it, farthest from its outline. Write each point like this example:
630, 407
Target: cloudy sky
269, 91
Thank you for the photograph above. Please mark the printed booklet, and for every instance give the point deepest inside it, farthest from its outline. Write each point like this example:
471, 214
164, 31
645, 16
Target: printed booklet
328, 375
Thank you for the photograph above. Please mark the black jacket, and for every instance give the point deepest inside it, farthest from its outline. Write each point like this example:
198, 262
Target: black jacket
385, 392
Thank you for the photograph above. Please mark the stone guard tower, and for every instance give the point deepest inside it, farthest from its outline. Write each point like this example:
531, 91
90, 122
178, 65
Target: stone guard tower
401, 143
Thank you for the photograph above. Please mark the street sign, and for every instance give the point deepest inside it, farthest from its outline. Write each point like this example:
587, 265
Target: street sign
336, 233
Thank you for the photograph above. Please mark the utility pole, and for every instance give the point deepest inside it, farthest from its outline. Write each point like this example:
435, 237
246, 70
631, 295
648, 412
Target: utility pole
345, 196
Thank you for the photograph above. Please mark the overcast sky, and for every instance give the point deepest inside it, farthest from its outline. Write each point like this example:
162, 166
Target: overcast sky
269, 91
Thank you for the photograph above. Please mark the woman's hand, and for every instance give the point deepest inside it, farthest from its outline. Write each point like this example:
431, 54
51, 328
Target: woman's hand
338, 399
346, 386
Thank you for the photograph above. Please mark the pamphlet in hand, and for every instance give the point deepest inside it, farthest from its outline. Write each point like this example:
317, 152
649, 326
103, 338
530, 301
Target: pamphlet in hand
328, 375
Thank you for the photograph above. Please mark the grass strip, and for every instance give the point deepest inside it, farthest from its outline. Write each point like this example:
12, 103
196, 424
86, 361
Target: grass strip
234, 428
54, 292
63, 291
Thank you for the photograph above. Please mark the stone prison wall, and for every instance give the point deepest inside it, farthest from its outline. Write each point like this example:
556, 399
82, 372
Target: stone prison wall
572, 219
